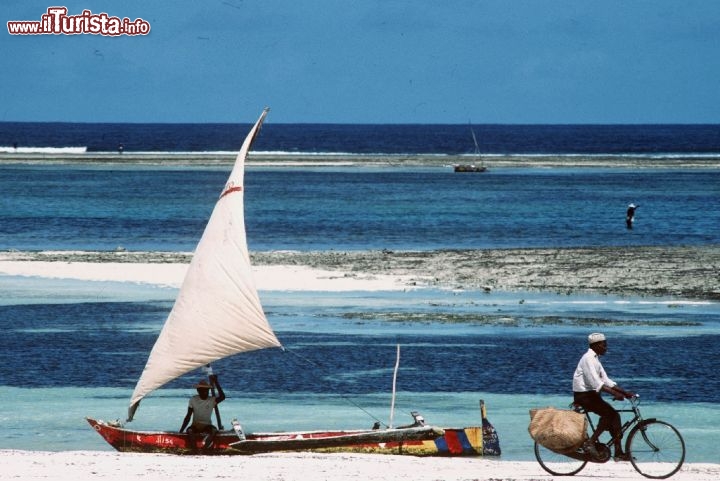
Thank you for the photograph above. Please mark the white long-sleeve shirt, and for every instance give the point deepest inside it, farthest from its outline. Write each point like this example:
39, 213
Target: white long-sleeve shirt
590, 375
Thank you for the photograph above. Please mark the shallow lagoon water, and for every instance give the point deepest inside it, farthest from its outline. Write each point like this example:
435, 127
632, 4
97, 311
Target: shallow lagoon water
57, 422
515, 350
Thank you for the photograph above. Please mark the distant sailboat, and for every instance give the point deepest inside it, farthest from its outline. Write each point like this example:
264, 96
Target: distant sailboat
472, 167
217, 314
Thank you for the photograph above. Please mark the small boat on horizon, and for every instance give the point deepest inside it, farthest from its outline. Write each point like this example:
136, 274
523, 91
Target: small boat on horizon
472, 167
218, 314
469, 168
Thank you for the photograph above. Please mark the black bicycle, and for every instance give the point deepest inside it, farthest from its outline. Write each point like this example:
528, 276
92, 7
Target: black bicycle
656, 448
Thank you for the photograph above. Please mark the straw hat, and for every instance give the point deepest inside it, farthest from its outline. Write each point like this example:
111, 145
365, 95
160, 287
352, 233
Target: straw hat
203, 384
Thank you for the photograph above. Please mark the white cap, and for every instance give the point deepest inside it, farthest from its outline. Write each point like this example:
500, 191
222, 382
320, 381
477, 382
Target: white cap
631, 205
596, 337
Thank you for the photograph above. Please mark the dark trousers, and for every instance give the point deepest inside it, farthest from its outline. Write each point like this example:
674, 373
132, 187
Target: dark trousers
593, 402
207, 433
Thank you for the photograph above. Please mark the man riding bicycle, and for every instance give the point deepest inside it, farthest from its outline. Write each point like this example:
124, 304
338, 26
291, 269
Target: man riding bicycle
589, 380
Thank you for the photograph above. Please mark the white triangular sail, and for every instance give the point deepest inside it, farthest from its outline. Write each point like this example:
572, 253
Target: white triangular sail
217, 312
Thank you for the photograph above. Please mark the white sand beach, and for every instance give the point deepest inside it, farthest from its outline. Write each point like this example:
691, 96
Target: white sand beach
267, 277
77, 465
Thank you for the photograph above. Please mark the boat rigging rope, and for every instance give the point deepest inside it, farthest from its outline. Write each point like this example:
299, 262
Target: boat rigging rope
316, 365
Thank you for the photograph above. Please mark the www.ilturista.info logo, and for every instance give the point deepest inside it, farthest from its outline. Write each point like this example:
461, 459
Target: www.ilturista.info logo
57, 22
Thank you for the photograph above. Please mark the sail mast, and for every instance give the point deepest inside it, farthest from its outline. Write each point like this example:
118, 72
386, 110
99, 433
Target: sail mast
217, 312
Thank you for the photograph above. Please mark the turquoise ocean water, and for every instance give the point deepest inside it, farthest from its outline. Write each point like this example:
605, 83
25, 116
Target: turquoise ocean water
75, 348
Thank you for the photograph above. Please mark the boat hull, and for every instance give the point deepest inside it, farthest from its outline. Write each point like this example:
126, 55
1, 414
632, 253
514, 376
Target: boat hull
417, 441
469, 168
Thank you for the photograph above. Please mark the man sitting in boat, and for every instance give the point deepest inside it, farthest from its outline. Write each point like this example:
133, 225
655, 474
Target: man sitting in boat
200, 409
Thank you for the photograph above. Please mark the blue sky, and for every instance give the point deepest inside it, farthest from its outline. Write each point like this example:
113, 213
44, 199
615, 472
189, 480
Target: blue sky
368, 61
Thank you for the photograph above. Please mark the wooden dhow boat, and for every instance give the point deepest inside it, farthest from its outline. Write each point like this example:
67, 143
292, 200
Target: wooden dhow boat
218, 314
472, 167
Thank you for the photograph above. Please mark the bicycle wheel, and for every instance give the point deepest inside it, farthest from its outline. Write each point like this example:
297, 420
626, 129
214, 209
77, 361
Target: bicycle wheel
556, 463
656, 449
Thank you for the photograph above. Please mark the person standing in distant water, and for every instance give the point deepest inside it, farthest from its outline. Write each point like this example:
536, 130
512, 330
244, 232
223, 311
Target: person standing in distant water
200, 409
630, 215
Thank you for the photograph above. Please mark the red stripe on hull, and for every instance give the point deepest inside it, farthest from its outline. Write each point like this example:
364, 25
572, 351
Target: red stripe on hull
453, 442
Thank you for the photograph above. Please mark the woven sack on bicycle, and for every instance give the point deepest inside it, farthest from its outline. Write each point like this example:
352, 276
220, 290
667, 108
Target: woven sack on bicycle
558, 429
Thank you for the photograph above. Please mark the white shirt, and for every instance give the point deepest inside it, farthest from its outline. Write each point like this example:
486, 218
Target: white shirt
202, 409
590, 375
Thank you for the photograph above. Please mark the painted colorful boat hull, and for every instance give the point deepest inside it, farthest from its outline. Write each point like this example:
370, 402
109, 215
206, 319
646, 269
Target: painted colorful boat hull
424, 441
